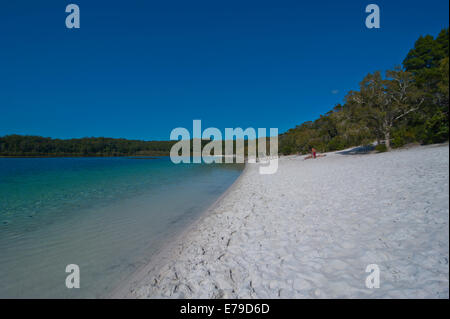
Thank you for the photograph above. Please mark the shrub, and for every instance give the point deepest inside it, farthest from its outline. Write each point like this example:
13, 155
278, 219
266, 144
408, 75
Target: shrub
436, 128
380, 148
336, 143
398, 141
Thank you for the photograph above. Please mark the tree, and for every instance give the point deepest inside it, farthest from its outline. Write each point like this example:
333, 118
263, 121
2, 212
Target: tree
17, 145
387, 101
425, 58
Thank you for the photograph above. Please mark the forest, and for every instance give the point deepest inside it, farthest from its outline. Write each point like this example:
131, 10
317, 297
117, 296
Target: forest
407, 104
23, 146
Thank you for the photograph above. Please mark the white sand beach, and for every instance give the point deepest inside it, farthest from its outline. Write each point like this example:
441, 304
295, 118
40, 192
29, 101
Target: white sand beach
310, 230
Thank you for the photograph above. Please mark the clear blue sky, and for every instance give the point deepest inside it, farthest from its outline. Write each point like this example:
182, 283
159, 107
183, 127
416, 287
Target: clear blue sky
138, 69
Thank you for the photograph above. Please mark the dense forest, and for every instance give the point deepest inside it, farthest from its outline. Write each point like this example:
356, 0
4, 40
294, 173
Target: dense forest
18, 145
409, 104
37, 146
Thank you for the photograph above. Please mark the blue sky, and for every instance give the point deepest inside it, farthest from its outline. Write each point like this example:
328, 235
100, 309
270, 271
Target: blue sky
138, 69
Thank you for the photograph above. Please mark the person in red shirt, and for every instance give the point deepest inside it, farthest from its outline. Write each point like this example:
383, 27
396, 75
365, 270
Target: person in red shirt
313, 150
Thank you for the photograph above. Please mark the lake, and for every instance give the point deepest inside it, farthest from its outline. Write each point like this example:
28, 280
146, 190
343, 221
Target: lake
106, 215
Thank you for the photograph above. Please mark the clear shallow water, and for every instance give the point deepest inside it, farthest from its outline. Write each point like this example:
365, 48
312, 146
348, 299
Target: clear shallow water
107, 215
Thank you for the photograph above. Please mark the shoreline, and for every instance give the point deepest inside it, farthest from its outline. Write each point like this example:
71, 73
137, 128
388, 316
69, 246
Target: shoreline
166, 251
277, 236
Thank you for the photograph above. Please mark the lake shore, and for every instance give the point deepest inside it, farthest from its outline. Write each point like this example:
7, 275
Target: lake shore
311, 229
106, 215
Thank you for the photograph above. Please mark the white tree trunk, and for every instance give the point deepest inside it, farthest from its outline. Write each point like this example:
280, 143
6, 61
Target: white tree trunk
387, 139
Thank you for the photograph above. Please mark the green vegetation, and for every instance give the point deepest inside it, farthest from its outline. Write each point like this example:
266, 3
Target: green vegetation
37, 146
380, 148
17, 145
409, 104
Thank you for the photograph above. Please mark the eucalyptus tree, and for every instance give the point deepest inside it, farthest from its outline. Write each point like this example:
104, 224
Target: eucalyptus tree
385, 102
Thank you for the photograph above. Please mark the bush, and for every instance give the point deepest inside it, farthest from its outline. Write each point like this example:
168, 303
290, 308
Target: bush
398, 141
400, 138
337, 143
436, 128
380, 148
405, 135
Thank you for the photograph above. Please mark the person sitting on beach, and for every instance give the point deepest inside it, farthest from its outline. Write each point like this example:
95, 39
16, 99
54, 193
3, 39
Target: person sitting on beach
314, 154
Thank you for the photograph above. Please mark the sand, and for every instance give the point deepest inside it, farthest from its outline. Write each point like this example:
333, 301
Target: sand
311, 229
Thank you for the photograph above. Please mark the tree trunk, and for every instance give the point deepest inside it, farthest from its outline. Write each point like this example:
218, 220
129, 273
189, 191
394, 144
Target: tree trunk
387, 139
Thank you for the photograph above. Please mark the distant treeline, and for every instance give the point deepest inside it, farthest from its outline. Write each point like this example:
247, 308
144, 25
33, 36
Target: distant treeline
409, 104
18, 145
29, 146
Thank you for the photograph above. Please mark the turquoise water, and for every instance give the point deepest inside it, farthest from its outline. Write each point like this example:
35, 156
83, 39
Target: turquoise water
107, 215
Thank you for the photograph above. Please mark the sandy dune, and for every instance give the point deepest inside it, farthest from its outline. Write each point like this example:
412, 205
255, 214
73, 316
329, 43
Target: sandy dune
310, 230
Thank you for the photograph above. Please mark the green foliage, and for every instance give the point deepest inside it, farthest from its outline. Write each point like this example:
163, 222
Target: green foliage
407, 105
336, 143
404, 135
436, 128
425, 58
22, 146
18, 145
380, 148
398, 139
429, 62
